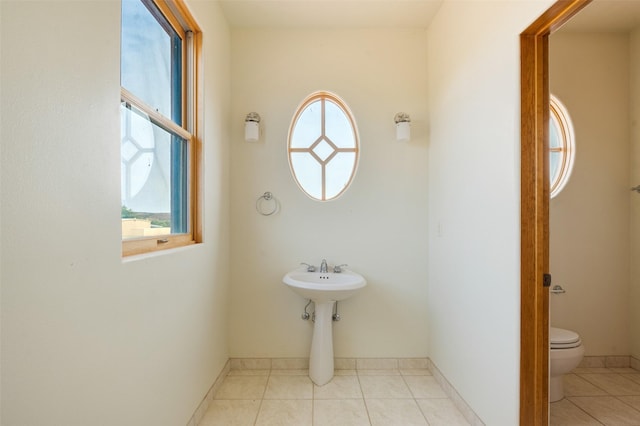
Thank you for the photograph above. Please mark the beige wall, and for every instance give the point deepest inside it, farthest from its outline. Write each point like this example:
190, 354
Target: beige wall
378, 226
474, 203
86, 337
635, 198
589, 219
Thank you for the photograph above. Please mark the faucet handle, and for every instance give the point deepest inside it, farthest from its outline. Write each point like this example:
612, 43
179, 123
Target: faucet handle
338, 268
310, 268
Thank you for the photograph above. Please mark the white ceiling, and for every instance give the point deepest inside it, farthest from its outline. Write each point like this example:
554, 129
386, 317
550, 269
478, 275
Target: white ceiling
599, 16
329, 14
606, 16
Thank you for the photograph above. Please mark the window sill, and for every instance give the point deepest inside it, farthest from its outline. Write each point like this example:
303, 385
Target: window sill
156, 244
157, 253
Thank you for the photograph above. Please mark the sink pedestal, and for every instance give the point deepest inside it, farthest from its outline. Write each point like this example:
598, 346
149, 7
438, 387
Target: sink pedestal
321, 358
324, 289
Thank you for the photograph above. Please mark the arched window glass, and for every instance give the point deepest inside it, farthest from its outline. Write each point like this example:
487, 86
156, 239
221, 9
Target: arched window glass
561, 146
323, 146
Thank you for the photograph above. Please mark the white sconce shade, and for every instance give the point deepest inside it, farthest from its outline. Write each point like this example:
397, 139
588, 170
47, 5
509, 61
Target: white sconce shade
252, 127
403, 127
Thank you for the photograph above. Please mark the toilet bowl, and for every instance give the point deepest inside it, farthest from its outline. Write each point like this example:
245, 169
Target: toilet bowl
566, 352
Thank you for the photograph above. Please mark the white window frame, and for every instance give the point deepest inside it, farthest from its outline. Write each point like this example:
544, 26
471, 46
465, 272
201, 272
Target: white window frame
559, 117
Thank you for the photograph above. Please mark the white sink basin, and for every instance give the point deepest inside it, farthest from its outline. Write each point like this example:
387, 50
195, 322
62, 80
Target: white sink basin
325, 289
324, 286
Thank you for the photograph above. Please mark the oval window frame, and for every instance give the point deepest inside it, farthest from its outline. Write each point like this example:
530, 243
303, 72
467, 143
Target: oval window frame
559, 117
324, 96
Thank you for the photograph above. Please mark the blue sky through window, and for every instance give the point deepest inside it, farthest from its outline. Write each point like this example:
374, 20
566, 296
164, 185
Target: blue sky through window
146, 57
146, 71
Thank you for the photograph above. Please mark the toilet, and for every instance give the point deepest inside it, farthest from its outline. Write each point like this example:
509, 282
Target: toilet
566, 352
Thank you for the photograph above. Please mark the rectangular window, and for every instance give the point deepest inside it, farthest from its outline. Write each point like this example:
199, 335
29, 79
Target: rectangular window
160, 46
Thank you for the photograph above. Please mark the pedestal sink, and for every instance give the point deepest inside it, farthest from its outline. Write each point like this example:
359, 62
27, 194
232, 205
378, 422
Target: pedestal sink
324, 289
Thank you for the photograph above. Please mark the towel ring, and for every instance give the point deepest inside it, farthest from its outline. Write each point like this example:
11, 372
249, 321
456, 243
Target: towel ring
267, 196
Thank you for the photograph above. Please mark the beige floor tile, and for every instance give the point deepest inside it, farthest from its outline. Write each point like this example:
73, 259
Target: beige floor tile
634, 377
394, 412
424, 387
608, 410
566, 413
575, 385
289, 387
287, 412
344, 372
343, 412
415, 372
249, 373
242, 387
441, 412
231, 413
633, 401
384, 387
622, 370
614, 384
340, 387
379, 372
291, 372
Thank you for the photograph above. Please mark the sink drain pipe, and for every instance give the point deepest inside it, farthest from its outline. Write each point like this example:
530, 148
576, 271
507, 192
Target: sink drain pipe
305, 315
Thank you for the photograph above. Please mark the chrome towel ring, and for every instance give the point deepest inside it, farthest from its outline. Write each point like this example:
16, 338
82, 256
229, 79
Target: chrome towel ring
262, 204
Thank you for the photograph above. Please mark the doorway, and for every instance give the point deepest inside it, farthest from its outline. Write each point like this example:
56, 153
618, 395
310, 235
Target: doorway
534, 207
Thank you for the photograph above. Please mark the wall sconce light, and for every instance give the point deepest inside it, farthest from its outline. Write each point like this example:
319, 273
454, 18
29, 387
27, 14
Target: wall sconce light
252, 127
403, 127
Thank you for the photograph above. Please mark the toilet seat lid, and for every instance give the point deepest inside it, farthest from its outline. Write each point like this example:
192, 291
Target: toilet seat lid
560, 338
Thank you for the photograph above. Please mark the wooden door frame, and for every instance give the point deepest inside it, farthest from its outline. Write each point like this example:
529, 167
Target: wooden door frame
534, 210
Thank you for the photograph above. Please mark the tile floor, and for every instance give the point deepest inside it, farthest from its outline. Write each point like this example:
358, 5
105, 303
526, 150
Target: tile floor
353, 397
599, 396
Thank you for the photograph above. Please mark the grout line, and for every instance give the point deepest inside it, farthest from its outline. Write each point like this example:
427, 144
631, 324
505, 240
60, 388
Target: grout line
313, 400
415, 399
384, 372
607, 394
628, 405
202, 408
433, 369
580, 408
366, 406
591, 383
264, 392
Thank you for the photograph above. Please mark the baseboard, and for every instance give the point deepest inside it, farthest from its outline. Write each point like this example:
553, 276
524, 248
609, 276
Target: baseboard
206, 401
453, 394
339, 363
622, 361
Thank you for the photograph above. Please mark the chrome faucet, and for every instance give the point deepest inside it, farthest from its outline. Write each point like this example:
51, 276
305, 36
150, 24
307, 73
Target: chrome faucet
338, 268
310, 268
323, 266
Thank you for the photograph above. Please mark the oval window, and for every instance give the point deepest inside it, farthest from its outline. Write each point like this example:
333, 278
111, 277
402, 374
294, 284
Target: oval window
323, 146
561, 146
